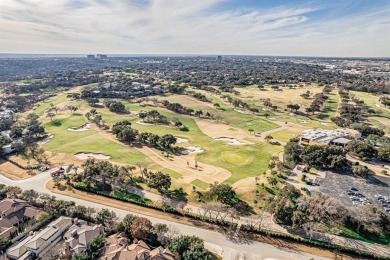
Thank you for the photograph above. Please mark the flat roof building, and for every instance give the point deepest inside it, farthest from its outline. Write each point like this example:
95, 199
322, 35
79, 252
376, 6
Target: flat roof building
325, 137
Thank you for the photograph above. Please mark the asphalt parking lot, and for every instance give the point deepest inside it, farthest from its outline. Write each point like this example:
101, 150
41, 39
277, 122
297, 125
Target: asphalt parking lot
337, 185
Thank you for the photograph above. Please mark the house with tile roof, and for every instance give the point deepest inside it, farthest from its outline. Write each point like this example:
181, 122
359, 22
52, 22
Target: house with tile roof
79, 235
118, 248
38, 243
14, 212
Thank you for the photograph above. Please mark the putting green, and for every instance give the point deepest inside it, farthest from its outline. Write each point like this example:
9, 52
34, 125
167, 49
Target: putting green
235, 157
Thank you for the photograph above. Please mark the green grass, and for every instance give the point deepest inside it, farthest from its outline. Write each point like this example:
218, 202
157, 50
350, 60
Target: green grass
284, 135
236, 158
120, 194
261, 153
330, 107
201, 184
372, 101
41, 107
376, 123
64, 141
381, 239
27, 81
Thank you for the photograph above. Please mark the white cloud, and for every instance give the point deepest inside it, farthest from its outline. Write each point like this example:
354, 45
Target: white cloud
181, 26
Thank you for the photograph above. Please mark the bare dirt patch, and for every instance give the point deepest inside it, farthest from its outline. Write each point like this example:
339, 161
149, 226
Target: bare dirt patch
13, 172
216, 129
383, 120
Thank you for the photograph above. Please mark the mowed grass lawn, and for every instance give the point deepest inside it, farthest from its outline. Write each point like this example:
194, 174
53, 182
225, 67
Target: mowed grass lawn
373, 102
241, 161
65, 141
41, 107
330, 107
286, 135
226, 113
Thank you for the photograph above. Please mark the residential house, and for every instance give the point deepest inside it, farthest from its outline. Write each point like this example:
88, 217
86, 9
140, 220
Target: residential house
79, 235
37, 244
13, 213
117, 248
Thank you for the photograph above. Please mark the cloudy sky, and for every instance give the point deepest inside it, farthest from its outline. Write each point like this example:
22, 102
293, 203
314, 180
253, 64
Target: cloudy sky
257, 27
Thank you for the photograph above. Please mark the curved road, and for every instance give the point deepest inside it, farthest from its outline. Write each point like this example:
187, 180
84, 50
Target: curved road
228, 247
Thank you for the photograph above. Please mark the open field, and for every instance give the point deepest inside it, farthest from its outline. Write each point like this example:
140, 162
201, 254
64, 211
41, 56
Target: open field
226, 113
41, 107
286, 134
219, 162
279, 98
330, 107
373, 102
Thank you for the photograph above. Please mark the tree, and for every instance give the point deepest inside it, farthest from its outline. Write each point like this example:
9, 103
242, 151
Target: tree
224, 193
362, 149
292, 153
14, 191
167, 140
366, 130
197, 251
30, 195
159, 181
106, 217
360, 171
327, 157
272, 180
384, 153
180, 245
142, 228
50, 115
125, 224
4, 244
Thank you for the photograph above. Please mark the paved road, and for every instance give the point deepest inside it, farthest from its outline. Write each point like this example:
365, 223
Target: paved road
228, 247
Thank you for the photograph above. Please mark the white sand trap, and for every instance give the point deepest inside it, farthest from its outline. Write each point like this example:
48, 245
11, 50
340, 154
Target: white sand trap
272, 118
323, 123
84, 127
85, 156
303, 121
377, 105
47, 139
192, 149
143, 123
264, 109
181, 140
241, 111
231, 141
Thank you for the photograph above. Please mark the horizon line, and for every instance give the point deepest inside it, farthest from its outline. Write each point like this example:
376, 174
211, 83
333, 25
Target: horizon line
115, 55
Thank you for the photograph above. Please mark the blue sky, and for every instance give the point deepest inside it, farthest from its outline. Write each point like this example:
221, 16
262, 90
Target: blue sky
257, 27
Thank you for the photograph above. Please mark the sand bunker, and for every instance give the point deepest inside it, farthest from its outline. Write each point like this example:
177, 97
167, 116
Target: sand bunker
143, 123
323, 123
303, 121
84, 127
85, 156
231, 141
47, 139
181, 140
241, 111
192, 149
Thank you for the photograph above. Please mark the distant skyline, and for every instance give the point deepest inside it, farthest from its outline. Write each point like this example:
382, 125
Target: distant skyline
334, 28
